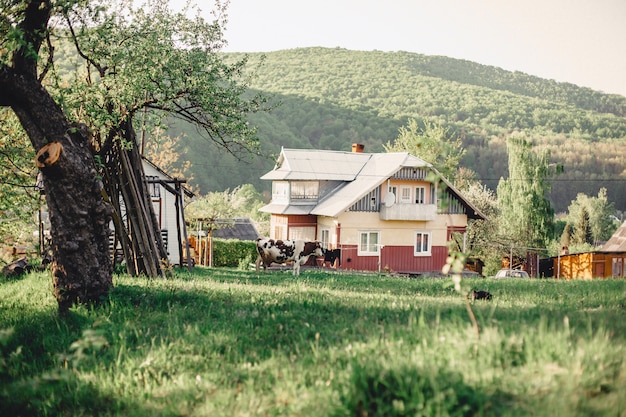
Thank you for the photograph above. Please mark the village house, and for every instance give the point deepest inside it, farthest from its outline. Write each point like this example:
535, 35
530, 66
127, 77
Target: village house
378, 211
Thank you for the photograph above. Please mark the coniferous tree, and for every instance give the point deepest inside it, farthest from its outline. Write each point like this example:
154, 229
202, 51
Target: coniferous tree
582, 230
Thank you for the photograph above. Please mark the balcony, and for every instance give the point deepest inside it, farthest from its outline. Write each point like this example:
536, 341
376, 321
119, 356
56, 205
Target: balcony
415, 212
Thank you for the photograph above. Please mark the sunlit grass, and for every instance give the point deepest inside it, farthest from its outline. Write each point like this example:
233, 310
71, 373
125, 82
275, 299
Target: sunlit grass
235, 343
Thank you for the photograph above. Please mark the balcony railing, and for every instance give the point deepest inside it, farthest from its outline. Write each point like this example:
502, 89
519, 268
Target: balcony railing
423, 212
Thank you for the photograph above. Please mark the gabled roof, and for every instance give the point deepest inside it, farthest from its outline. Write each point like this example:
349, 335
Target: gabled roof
617, 242
360, 173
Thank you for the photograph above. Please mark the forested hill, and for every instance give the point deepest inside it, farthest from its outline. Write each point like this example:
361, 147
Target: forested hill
331, 98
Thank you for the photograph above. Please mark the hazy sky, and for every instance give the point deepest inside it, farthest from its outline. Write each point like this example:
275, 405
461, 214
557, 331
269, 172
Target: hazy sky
577, 41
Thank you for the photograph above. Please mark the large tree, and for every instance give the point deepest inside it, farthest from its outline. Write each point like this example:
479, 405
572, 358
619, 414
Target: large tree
79, 216
154, 64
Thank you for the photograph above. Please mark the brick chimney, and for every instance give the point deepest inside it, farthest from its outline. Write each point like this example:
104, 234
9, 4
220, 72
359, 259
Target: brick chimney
358, 147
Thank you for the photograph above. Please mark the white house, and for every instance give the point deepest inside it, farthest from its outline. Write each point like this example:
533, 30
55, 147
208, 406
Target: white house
167, 194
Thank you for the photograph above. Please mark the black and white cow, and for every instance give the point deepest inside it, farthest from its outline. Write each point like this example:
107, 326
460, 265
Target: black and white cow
281, 251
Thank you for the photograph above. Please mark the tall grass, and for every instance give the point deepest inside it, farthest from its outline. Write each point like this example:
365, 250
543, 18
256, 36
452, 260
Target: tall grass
222, 342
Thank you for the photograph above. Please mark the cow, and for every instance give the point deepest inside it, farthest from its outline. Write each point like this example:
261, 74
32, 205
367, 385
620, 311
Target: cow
281, 251
333, 256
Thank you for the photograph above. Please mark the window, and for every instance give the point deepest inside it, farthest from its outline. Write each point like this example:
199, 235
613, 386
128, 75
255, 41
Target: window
422, 243
280, 191
304, 189
405, 195
393, 190
420, 195
368, 243
618, 267
302, 233
325, 237
280, 232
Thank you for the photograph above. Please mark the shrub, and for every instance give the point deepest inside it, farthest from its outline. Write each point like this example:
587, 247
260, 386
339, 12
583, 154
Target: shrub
233, 252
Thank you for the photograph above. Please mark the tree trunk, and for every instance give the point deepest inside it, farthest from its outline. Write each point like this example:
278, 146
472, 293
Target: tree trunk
79, 217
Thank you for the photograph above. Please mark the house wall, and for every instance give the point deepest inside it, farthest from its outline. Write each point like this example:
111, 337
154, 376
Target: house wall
396, 238
399, 184
587, 265
293, 227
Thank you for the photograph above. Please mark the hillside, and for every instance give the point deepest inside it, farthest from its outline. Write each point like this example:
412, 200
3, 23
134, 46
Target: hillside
330, 98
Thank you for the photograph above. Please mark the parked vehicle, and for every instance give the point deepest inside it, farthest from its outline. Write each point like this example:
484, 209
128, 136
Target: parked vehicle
512, 273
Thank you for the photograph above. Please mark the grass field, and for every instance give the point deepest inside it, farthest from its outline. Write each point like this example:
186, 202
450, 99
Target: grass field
222, 342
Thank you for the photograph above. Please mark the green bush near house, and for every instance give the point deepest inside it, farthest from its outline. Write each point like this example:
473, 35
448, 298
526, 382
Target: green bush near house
233, 253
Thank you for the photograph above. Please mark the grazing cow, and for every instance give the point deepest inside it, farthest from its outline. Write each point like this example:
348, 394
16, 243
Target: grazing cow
332, 256
281, 251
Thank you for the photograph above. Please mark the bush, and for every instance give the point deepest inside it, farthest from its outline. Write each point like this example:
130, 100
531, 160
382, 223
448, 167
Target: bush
233, 253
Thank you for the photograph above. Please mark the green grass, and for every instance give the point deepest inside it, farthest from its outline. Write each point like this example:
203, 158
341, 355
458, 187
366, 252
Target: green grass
223, 342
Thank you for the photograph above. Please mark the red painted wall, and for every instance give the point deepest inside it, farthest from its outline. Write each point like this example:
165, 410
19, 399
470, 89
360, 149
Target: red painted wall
394, 258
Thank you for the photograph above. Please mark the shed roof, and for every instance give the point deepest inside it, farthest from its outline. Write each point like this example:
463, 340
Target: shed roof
239, 228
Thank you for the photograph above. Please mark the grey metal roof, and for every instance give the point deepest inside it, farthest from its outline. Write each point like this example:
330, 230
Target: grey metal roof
239, 228
313, 164
617, 242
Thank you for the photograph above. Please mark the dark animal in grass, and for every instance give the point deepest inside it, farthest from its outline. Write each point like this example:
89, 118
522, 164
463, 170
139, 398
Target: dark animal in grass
479, 295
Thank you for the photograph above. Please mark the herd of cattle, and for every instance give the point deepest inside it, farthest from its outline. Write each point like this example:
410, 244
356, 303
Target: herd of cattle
296, 251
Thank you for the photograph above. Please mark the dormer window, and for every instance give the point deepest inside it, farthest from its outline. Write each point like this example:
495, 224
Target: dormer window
304, 190
280, 192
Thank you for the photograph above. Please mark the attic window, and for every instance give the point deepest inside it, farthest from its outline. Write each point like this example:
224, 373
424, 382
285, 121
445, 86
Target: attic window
304, 190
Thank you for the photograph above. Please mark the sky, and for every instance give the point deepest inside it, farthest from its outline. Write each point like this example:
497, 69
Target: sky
577, 41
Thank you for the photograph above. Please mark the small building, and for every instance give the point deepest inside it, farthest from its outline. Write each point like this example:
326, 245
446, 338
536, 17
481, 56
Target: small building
167, 194
380, 211
238, 228
606, 262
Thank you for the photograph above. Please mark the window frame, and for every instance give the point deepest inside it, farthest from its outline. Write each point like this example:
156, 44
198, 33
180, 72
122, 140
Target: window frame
393, 189
325, 237
368, 244
405, 195
304, 190
426, 244
420, 191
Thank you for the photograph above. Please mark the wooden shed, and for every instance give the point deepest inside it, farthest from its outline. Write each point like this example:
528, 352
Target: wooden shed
606, 262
